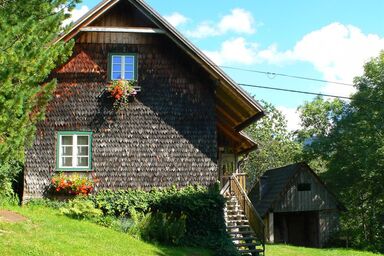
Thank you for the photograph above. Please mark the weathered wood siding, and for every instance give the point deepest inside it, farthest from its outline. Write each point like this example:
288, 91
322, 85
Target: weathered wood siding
123, 14
166, 136
316, 199
328, 224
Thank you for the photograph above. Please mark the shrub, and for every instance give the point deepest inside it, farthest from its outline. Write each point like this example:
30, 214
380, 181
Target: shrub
166, 228
190, 216
54, 204
81, 208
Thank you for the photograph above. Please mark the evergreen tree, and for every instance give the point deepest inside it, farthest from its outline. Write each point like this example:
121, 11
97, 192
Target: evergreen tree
28, 54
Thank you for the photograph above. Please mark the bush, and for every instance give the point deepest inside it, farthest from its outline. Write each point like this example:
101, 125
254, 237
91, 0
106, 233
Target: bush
81, 208
165, 228
191, 216
8, 174
54, 204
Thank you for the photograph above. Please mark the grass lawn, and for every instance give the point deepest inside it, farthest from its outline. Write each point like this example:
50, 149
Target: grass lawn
48, 233
286, 250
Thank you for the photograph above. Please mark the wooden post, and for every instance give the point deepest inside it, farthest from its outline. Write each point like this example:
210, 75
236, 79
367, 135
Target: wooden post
271, 236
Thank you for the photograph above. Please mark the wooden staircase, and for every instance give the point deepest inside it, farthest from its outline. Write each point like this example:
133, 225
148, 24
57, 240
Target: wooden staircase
244, 225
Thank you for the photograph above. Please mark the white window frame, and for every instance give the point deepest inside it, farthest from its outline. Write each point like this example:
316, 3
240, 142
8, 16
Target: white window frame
75, 155
123, 65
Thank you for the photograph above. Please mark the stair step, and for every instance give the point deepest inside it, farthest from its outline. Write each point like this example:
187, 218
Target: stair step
251, 251
248, 232
239, 210
235, 221
245, 238
246, 244
238, 226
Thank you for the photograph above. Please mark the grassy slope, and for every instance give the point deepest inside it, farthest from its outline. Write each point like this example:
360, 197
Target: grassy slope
48, 233
286, 250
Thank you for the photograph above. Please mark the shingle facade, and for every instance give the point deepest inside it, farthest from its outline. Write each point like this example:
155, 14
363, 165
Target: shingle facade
165, 136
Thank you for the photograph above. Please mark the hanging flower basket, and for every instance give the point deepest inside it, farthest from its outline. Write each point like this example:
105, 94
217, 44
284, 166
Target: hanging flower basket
122, 90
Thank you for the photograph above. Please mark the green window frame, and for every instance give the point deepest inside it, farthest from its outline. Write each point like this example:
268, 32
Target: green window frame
74, 151
122, 66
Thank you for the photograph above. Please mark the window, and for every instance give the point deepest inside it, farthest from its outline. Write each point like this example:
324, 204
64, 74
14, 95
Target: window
122, 66
304, 187
74, 150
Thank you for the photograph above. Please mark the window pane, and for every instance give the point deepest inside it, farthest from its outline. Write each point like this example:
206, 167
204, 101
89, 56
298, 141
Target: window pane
116, 59
67, 140
116, 75
67, 150
82, 140
82, 161
128, 75
128, 67
66, 161
82, 151
116, 68
129, 59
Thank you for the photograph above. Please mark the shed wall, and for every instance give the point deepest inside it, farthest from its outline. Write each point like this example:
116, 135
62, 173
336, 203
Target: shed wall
318, 198
166, 136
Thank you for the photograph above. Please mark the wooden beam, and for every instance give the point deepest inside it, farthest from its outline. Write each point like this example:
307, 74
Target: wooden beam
123, 30
249, 121
221, 112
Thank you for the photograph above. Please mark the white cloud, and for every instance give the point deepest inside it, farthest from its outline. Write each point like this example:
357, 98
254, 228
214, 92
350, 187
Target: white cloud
176, 19
337, 51
76, 14
205, 29
234, 51
292, 116
238, 21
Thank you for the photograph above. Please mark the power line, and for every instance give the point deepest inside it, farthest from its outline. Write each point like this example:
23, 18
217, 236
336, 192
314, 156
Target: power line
286, 75
306, 92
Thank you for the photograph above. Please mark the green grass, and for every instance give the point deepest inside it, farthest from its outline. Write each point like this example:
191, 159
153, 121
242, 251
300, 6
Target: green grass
286, 250
48, 233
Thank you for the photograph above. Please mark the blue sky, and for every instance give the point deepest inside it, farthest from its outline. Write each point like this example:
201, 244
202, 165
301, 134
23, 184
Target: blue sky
324, 39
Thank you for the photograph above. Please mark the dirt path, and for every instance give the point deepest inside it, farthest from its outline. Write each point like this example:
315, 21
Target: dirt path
9, 216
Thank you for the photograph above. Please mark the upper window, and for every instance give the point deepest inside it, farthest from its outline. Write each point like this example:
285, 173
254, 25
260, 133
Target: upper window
123, 66
304, 187
74, 150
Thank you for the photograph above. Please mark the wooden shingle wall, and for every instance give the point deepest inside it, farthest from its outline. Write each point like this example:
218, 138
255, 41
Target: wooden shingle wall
166, 136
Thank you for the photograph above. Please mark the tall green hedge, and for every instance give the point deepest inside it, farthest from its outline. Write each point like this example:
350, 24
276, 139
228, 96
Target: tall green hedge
202, 207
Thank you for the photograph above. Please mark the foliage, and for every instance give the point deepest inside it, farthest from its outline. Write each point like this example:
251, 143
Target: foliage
48, 233
202, 209
81, 208
318, 118
165, 228
121, 90
74, 184
28, 55
39, 202
353, 149
276, 145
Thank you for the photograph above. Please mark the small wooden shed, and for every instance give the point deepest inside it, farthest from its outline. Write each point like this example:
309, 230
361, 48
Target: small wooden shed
296, 206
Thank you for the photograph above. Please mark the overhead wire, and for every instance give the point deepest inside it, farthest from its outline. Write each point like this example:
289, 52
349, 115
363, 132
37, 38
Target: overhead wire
307, 92
286, 75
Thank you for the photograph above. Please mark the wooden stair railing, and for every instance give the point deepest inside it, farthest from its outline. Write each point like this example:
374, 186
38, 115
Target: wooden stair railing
255, 221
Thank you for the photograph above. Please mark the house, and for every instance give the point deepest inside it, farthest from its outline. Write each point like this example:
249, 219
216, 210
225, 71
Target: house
297, 207
183, 127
